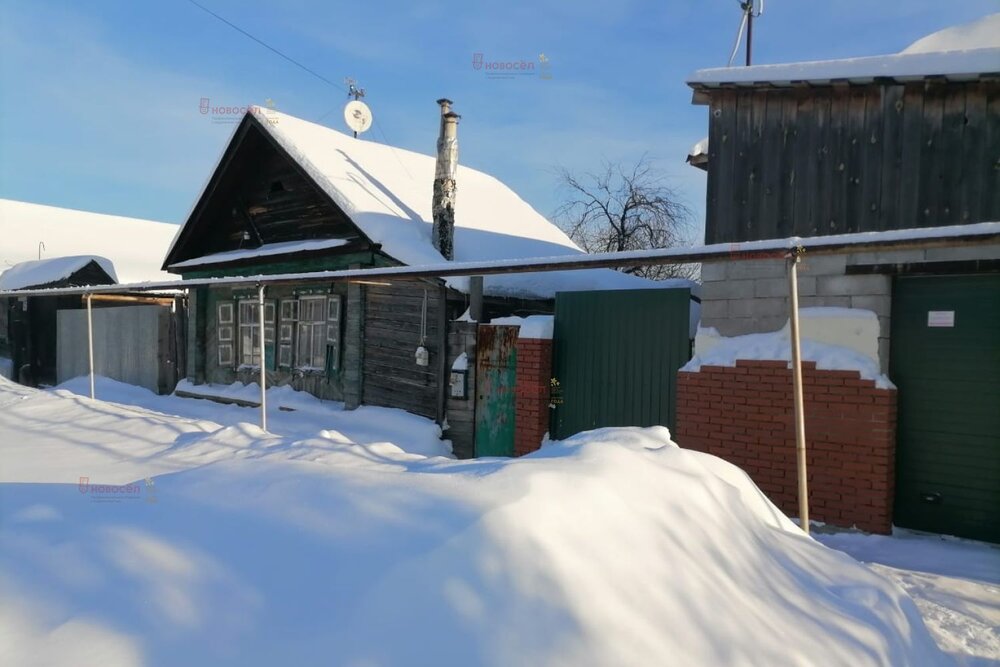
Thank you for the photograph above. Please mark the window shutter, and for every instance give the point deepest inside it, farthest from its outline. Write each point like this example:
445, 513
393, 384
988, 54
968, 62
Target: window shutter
224, 333
333, 332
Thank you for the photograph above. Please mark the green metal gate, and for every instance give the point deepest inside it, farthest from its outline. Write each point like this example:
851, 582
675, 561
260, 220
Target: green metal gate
616, 356
945, 361
496, 380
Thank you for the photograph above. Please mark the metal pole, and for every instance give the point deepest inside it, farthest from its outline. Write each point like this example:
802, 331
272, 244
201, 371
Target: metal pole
263, 360
800, 420
90, 344
749, 30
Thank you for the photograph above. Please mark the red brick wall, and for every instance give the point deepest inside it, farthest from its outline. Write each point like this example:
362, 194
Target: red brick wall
744, 415
534, 373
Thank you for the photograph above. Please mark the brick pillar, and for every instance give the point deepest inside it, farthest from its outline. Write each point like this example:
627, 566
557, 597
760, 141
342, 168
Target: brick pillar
744, 414
534, 373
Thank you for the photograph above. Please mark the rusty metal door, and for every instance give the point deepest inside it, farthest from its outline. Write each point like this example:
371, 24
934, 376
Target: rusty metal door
496, 377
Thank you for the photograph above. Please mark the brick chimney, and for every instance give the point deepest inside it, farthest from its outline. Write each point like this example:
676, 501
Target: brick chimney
443, 203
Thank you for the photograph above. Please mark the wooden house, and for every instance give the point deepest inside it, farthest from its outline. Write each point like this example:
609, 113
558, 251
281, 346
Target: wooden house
875, 144
293, 196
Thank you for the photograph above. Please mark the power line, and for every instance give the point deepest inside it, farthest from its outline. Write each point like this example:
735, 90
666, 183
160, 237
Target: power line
306, 69
268, 46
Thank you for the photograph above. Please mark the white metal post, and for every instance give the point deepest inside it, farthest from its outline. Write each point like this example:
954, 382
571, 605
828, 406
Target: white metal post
90, 344
800, 419
263, 360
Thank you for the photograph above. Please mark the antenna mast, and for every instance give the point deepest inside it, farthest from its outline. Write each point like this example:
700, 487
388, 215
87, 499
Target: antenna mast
355, 92
749, 14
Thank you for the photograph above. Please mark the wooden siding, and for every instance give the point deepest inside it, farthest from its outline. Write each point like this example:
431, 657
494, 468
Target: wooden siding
462, 411
833, 160
392, 316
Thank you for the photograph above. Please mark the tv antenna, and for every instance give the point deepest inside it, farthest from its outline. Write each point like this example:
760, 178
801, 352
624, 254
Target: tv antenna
750, 12
357, 115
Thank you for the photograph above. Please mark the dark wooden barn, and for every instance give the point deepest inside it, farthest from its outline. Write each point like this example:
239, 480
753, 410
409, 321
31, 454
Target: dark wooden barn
795, 151
28, 325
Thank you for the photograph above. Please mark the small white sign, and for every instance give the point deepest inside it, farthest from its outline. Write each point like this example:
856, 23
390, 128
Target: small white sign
941, 318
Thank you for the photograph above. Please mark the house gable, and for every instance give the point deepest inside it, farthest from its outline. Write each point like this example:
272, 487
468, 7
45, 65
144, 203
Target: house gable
257, 198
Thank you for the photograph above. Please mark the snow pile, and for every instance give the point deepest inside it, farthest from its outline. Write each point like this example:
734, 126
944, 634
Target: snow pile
713, 349
532, 326
41, 272
309, 416
135, 247
386, 191
983, 33
613, 547
266, 250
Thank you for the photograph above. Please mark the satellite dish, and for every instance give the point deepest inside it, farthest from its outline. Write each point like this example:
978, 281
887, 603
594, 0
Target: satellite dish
358, 116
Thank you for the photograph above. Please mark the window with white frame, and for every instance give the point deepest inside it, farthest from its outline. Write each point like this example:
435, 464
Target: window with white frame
249, 330
310, 348
289, 312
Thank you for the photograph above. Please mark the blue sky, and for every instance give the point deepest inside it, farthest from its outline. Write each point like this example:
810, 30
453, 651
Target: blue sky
100, 99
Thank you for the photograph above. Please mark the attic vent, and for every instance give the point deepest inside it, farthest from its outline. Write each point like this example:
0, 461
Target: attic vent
277, 186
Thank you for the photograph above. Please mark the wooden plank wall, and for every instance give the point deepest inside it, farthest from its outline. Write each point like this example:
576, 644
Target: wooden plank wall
462, 411
391, 377
839, 159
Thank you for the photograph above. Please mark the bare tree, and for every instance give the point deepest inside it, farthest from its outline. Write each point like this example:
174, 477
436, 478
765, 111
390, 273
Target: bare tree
621, 209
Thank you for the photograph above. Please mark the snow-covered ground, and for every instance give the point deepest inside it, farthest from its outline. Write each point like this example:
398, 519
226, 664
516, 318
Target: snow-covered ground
228, 545
955, 583
310, 416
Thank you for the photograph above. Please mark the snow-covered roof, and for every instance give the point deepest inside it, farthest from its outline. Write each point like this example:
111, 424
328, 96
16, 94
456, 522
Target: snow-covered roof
266, 250
960, 53
386, 191
134, 246
983, 33
700, 148
40, 272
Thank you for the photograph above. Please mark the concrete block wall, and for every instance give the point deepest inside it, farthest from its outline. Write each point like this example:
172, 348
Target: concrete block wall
751, 296
743, 414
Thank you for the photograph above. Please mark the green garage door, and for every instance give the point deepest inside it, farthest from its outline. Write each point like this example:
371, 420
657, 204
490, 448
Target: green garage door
945, 360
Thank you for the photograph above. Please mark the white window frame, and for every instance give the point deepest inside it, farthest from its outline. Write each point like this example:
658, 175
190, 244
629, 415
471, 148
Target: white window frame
310, 334
224, 333
289, 312
249, 322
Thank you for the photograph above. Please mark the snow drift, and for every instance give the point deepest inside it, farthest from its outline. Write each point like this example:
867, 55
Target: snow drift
614, 547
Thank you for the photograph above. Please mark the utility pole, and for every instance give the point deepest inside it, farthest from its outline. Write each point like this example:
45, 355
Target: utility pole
748, 7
